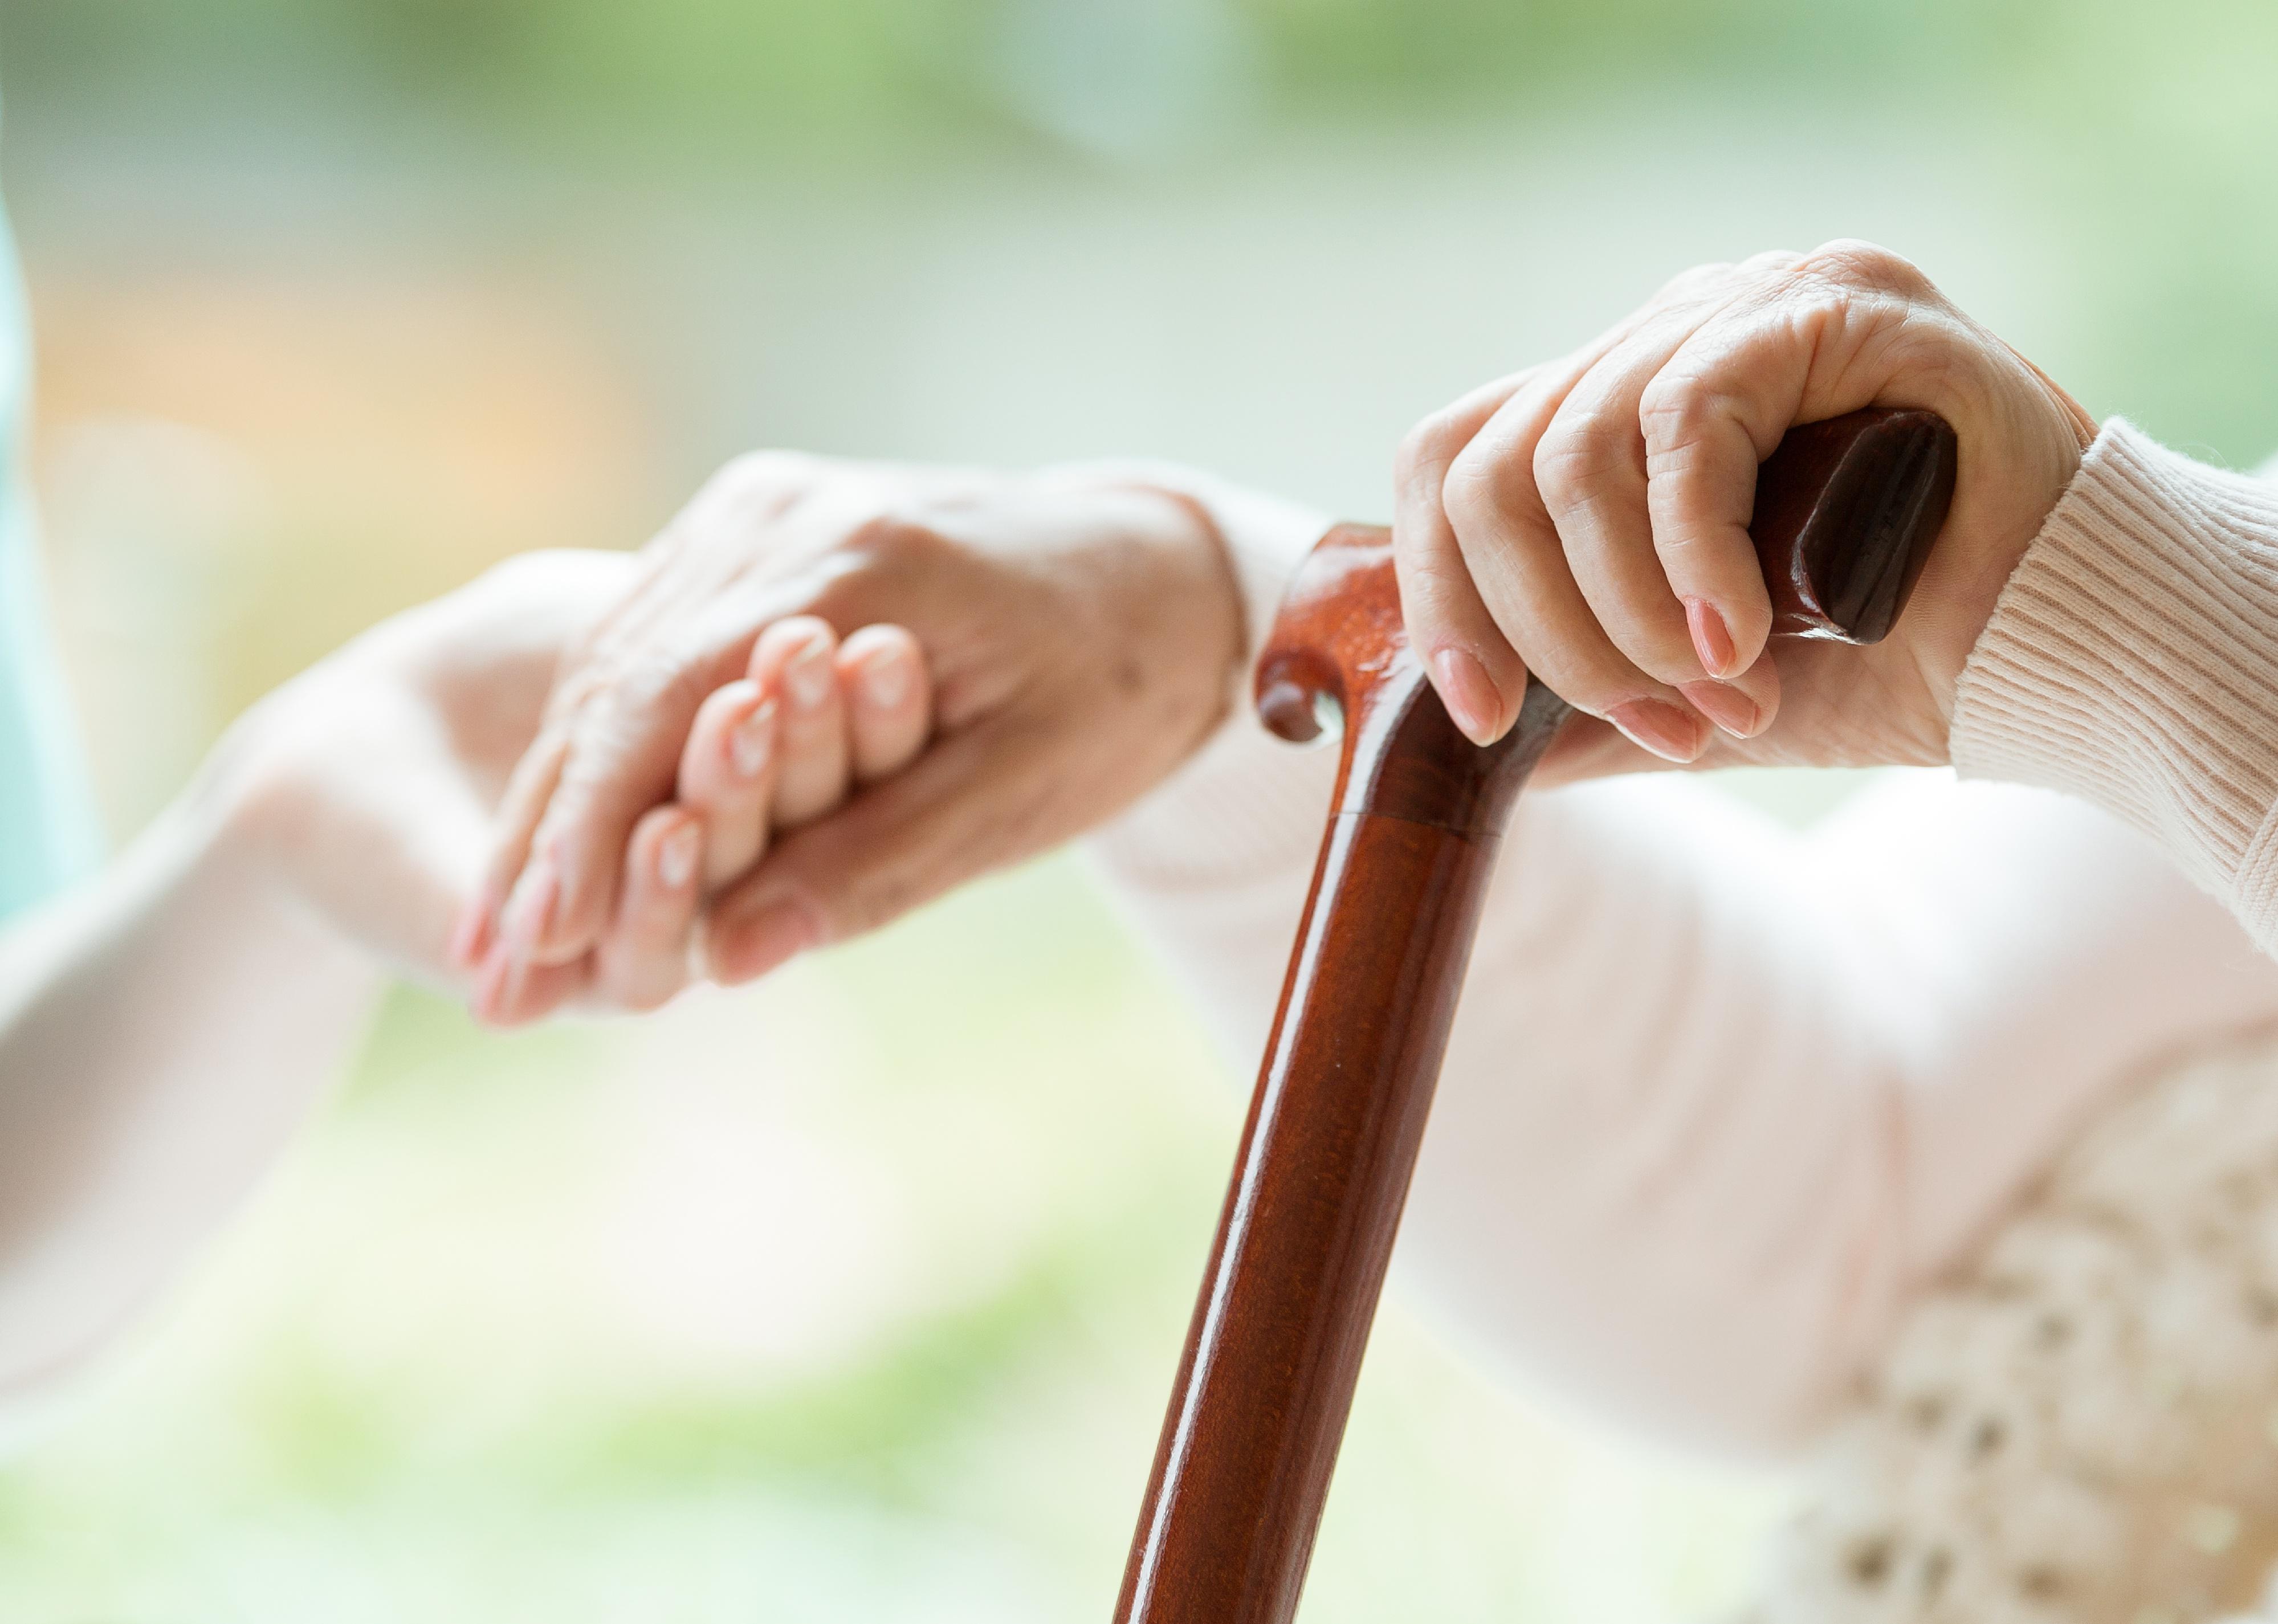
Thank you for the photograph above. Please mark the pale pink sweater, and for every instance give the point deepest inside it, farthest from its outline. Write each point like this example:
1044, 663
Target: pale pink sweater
1722, 1098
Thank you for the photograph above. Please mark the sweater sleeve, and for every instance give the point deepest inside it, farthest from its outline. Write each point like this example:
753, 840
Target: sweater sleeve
1721, 1097
2133, 660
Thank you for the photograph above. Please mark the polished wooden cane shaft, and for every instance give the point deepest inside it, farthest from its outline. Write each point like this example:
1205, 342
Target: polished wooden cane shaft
1846, 512
1310, 1217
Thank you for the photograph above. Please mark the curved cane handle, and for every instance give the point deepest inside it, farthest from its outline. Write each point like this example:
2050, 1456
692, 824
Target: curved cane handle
1847, 511
1340, 662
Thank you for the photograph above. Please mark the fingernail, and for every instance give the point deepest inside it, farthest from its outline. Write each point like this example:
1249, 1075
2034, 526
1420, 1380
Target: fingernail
1660, 727
1470, 696
753, 740
886, 679
470, 933
746, 949
506, 1010
1712, 639
530, 909
676, 855
490, 985
1728, 707
806, 677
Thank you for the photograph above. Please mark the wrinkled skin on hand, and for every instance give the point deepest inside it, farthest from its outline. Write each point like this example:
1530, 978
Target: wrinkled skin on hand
1586, 520
1081, 639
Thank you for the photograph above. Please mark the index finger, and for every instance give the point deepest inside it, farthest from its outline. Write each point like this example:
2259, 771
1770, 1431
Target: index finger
1478, 674
1480, 677
621, 757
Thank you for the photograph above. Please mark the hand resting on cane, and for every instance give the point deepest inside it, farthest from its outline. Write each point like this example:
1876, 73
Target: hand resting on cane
2098, 615
1723, 1098
1107, 580
1587, 519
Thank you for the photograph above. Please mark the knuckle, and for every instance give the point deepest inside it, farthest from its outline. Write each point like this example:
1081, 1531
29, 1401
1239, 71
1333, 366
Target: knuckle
573, 692
895, 541
1669, 402
1854, 265
659, 679
1769, 261
1434, 577
1491, 478
1690, 283
1674, 412
746, 489
1433, 443
1676, 546
652, 697
1573, 459
1473, 493
1439, 596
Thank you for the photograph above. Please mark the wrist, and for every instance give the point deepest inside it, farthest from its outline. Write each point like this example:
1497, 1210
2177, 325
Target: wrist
2127, 660
212, 860
267, 824
1259, 538
238, 807
2040, 448
1204, 590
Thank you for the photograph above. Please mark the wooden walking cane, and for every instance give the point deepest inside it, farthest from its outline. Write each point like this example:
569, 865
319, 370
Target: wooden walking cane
1846, 514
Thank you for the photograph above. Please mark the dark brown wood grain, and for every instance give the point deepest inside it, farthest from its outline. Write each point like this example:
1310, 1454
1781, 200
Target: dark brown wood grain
1846, 512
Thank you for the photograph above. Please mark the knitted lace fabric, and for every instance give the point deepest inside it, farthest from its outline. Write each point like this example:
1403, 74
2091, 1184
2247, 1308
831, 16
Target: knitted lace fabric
2082, 1424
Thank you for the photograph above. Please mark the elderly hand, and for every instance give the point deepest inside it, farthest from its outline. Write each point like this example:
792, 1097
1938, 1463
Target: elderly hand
1083, 638
367, 786
1587, 519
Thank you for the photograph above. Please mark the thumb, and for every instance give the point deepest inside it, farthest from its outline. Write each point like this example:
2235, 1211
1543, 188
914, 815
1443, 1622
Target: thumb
970, 804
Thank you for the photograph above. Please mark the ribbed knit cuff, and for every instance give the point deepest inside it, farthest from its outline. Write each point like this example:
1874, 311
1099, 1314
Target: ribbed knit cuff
2132, 660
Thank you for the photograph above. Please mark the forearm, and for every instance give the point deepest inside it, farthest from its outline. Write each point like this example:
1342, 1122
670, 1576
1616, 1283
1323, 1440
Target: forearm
1725, 1099
162, 1029
1722, 1098
1660, 1171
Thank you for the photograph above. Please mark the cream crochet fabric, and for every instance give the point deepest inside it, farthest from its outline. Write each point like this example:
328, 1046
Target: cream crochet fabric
1704, 1062
2082, 1424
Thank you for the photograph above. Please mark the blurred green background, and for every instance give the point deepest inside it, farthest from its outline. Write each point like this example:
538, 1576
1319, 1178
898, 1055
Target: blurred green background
857, 1296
